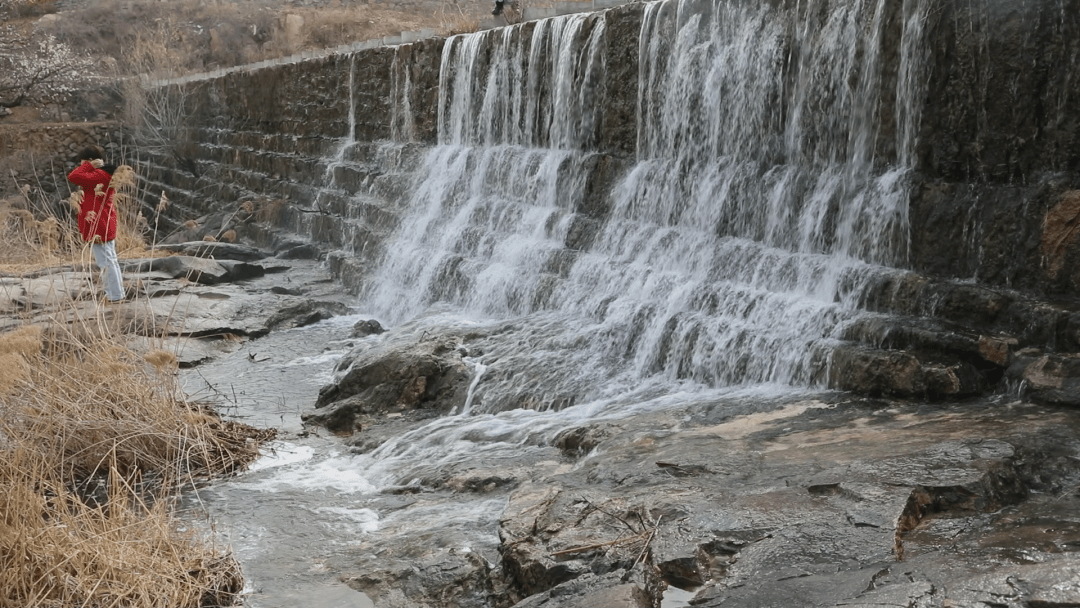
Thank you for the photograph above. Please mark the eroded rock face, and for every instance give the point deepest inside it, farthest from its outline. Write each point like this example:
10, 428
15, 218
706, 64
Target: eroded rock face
800, 503
794, 509
405, 372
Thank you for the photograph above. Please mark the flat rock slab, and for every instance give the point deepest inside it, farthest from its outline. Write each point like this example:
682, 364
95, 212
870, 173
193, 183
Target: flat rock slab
216, 250
807, 505
19, 294
167, 310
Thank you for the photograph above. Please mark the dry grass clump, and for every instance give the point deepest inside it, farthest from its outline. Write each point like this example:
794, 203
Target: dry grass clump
26, 241
58, 550
90, 405
132, 224
93, 442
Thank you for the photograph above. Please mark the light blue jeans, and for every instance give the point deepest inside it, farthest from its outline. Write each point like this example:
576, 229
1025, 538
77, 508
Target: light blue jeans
105, 256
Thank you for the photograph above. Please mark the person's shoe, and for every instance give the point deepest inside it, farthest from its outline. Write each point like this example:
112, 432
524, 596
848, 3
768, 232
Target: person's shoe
498, 9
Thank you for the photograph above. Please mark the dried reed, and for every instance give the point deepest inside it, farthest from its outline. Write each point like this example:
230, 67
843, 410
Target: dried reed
36, 231
95, 441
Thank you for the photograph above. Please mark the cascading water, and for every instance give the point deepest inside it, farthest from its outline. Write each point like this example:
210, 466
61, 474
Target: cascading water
765, 194
768, 189
494, 201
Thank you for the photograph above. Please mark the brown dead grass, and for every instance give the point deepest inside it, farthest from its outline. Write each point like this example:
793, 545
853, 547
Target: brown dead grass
95, 442
58, 550
211, 35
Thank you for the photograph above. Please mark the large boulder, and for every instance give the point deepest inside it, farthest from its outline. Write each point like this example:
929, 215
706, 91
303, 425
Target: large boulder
1047, 378
402, 373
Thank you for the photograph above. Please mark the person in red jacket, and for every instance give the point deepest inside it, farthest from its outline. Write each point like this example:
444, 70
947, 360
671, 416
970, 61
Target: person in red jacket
97, 216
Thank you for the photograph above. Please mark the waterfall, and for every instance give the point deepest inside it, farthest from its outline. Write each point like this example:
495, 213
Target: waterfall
769, 188
536, 90
494, 199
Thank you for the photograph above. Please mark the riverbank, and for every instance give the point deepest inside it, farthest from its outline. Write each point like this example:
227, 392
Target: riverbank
99, 442
757, 495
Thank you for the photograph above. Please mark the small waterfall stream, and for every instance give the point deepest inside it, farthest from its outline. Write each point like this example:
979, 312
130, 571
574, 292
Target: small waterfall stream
764, 196
768, 190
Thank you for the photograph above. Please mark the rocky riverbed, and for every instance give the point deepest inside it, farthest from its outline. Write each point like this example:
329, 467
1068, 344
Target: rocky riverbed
395, 477
755, 498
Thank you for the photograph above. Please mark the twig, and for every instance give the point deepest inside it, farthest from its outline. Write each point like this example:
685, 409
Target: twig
652, 534
609, 514
645, 549
596, 546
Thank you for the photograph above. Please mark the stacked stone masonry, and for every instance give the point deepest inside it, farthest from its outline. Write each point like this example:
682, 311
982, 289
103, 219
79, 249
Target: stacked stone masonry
991, 204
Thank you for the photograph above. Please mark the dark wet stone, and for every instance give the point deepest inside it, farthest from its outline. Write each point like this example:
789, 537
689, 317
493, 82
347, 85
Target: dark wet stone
196, 270
303, 251
305, 313
286, 291
217, 250
1048, 378
366, 328
404, 371
581, 440
411, 575
241, 271
893, 372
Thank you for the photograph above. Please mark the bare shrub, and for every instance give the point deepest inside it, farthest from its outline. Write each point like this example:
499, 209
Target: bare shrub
454, 19
158, 114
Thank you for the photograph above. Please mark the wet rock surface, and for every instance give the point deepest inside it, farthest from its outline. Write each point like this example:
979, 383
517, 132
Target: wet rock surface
824, 500
399, 374
818, 501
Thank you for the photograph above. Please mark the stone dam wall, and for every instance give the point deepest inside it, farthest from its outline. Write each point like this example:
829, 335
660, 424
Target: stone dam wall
327, 149
998, 147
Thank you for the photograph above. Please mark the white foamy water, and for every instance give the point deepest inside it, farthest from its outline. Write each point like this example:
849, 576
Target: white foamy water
768, 193
765, 198
280, 454
337, 473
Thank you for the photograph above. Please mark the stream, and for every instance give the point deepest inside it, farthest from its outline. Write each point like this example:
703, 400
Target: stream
730, 256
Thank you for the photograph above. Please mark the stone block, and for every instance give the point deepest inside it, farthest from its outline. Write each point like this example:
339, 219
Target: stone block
569, 8
533, 13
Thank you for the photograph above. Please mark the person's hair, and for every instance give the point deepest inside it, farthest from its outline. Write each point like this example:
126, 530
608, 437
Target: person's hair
90, 153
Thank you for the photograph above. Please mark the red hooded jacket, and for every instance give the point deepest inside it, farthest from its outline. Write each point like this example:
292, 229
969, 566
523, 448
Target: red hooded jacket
98, 200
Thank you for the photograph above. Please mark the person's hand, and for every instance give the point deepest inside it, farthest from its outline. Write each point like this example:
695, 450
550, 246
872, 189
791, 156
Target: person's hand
97, 163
